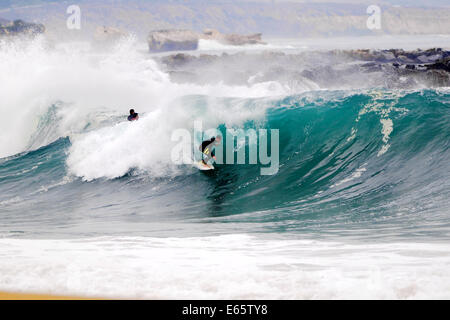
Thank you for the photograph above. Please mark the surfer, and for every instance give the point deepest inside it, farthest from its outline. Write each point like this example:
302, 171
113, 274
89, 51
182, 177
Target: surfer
207, 147
133, 115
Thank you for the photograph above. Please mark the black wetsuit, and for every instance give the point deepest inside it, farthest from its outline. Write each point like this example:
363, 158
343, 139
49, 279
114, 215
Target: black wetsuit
133, 116
206, 147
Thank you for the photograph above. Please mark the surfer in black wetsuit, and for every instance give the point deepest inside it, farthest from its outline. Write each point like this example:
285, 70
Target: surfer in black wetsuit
133, 115
207, 148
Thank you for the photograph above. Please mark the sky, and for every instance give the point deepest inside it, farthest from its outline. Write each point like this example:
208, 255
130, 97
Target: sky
415, 3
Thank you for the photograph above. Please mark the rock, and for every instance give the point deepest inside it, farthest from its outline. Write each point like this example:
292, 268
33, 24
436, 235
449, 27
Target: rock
423, 58
388, 55
178, 60
109, 34
438, 78
404, 59
443, 64
172, 40
371, 67
232, 39
19, 27
181, 40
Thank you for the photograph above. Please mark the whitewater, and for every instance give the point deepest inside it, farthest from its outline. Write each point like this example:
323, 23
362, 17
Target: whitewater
92, 205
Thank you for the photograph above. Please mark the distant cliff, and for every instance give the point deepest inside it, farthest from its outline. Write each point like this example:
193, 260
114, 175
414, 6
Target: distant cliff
286, 19
19, 27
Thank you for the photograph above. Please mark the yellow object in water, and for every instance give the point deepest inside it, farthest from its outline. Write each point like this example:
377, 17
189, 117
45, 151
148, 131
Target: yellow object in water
32, 296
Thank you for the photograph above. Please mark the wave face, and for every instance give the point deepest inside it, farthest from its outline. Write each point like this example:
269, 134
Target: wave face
355, 165
361, 159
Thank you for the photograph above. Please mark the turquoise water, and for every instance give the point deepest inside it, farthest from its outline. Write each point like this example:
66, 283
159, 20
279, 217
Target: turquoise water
360, 164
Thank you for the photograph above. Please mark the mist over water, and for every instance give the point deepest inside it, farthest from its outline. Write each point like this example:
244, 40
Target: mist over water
363, 172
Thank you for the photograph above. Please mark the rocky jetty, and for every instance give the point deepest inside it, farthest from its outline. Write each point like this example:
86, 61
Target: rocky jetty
181, 40
334, 69
19, 27
172, 40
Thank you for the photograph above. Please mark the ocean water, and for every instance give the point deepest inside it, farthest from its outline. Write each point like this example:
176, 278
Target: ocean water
91, 204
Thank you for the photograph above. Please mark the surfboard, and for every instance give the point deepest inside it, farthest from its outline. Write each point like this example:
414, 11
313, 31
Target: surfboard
201, 166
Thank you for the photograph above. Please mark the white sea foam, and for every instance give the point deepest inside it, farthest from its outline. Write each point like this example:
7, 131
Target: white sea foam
386, 130
357, 174
225, 267
84, 86
51, 93
213, 45
383, 109
10, 201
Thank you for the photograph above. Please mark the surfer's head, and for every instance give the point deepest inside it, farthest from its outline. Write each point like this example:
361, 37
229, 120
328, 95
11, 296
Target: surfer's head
217, 139
131, 111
